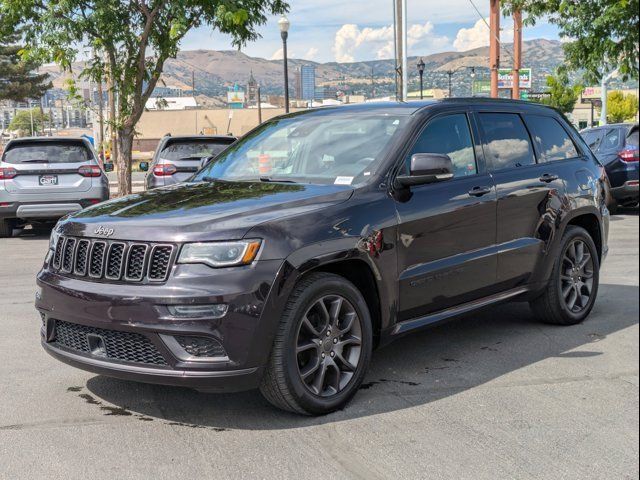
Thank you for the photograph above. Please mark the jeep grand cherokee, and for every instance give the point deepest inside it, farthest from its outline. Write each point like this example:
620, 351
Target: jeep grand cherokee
321, 235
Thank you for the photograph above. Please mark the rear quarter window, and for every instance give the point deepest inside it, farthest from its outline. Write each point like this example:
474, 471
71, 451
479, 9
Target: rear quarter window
47, 152
632, 137
551, 140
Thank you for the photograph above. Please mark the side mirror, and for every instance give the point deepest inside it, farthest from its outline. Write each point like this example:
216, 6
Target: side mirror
144, 166
108, 167
427, 168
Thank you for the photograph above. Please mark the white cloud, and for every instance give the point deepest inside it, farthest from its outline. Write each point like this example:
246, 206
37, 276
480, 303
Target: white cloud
478, 36
311, 54
351, 42
277, 55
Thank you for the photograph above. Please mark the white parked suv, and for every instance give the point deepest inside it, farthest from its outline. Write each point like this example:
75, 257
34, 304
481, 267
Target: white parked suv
43, 179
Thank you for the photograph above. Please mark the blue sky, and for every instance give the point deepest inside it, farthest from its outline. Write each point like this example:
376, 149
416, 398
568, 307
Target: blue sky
353, 30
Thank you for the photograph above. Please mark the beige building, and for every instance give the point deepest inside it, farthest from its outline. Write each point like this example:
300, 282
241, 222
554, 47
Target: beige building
583, 114
155, 124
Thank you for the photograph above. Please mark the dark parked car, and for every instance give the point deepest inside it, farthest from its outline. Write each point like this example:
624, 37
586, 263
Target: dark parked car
323, 234
616, 146
42, 179
178, 158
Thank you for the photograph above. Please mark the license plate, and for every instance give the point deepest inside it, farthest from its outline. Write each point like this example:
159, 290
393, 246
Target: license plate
48, 180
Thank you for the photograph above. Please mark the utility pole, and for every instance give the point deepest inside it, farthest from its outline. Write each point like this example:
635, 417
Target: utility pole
517, 53
603, 95
399, 10
373, 85
101, 118
259, 107
494, 45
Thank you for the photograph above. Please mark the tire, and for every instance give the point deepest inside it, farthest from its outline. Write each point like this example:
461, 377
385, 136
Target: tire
554, 306
283, 384
6, 228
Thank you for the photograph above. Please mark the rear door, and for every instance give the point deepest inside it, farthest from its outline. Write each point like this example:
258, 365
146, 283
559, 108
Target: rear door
48, 167
530, 187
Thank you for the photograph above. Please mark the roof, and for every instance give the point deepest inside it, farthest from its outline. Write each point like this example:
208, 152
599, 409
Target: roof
408, 108
48, 139
222, 138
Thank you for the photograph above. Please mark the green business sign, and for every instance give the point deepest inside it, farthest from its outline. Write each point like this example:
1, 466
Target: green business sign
481, 86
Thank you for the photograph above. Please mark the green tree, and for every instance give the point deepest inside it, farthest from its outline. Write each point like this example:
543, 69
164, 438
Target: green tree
603, 34
562, 95
621, 107
130, 41
18, 82
29, 122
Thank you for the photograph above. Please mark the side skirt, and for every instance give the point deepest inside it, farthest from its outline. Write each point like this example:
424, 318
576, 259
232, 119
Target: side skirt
420, 322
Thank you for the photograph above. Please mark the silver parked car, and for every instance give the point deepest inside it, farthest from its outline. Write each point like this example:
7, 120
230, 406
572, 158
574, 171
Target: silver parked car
43, 179
178, 158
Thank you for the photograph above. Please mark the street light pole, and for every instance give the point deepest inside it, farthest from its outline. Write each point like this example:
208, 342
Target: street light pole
421, 72
283, 23
450, 74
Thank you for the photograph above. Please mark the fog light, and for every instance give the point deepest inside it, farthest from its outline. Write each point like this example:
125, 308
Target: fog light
201, 347
198, 311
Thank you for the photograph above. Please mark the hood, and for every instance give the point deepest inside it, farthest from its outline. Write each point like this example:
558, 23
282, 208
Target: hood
217, 210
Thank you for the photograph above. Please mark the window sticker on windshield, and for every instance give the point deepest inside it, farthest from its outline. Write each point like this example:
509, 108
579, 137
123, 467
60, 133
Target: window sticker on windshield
343, 181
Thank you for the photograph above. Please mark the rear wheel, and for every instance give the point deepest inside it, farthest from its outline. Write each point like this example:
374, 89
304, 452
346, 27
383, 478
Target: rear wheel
322, 347
573, 286
6, 228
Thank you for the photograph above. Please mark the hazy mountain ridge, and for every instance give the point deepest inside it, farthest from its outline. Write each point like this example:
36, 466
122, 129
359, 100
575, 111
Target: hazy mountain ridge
214, 70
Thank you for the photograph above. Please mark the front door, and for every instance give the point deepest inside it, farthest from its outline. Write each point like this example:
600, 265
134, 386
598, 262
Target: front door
447, 230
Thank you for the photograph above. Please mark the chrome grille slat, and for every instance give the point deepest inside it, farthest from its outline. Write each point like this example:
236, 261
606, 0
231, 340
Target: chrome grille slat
113, 260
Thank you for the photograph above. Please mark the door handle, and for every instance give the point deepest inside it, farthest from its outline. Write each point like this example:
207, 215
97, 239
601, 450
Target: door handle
479, 191
548, 178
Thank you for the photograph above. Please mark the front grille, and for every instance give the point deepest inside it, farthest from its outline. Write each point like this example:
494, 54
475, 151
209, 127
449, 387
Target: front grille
113, 260
114, 344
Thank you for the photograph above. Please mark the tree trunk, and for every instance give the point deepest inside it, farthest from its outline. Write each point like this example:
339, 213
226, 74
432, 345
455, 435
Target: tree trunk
125, 146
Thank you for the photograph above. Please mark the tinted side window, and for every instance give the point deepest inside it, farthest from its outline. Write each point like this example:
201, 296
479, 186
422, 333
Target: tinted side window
632, 138
552, 140
448, 135
612, 141
506, 141
593, 138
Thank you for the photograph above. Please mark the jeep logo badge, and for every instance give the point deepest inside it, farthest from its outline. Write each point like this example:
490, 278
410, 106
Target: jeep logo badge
104, 231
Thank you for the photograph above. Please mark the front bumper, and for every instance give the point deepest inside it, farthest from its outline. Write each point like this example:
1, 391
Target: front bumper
124, 309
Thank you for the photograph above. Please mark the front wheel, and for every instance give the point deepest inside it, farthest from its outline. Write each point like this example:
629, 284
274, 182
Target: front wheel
573, 286
322, 348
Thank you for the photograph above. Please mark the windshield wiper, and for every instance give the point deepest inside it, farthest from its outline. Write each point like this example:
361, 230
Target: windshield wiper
275, 180
210, 179
43, 160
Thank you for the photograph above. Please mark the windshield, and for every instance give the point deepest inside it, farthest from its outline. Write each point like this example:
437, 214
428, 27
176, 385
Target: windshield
322, 149
192, 150
47, 153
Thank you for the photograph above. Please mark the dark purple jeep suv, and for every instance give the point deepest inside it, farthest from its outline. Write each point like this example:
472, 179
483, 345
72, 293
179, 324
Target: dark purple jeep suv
322, 235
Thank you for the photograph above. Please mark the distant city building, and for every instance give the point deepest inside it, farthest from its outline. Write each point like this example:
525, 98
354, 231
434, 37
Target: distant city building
306, 82
252, 91
168, 91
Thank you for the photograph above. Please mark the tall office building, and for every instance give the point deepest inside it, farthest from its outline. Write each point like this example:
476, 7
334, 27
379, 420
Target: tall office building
306, 82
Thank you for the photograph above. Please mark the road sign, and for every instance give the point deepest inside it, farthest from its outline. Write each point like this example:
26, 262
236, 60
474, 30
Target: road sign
534, 96
505, 78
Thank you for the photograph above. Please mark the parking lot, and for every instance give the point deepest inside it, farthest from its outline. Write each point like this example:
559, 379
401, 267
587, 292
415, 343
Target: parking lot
492, 395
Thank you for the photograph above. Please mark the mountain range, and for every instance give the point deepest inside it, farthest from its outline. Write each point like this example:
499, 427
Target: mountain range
213, 71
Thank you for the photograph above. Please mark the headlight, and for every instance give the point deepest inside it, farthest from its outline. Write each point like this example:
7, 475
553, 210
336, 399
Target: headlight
53, 239
220, 254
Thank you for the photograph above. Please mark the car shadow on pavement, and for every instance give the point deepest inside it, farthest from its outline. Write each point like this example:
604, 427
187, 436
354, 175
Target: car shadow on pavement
442, 361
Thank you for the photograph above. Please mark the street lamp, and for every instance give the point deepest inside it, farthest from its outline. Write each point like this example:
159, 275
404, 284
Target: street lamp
421, 72
284, 24
450, 74
473, 81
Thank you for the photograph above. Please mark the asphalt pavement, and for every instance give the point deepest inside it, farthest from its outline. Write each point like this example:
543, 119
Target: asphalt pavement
494, 395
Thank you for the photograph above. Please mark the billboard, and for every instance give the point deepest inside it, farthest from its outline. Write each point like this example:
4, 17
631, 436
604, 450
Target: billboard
505, 78
235, 98
481, 87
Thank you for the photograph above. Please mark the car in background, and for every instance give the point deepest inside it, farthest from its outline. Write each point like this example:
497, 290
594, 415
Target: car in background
178, 158
43, 179
616, 146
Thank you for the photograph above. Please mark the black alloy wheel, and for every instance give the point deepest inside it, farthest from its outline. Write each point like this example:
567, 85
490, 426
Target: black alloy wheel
328, 345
